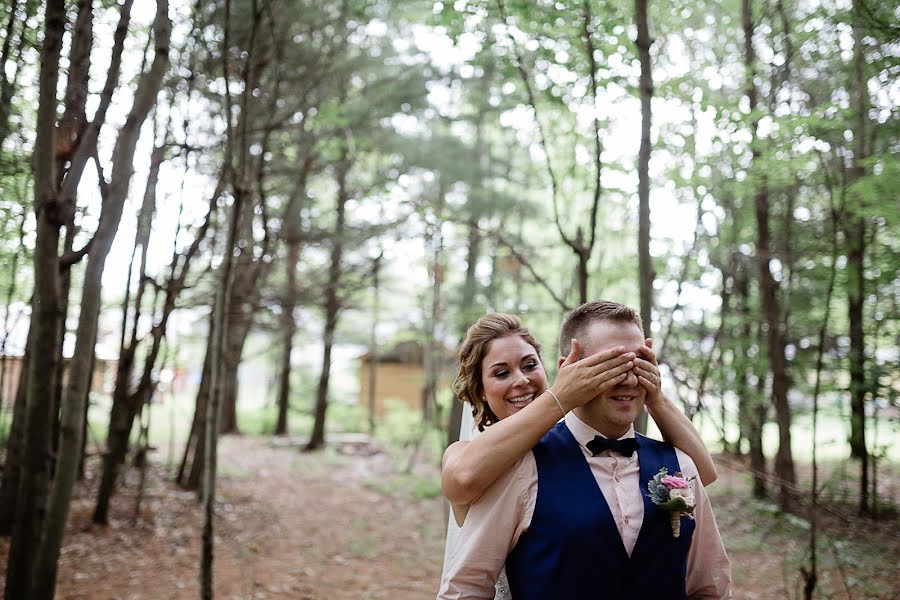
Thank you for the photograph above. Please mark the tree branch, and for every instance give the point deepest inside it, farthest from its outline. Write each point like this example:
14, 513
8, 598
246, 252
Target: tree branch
537, 277
520, 67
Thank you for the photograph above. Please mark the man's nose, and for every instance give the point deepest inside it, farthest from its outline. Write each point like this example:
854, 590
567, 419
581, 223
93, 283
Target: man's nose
631, 379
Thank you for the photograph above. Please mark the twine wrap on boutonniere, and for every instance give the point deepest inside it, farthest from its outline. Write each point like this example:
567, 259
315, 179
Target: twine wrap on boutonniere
672, 493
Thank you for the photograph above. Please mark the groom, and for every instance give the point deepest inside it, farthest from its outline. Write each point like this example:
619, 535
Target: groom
572, 519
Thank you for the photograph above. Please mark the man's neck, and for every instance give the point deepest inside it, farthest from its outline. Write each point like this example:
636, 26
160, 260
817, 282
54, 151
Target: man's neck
606, 429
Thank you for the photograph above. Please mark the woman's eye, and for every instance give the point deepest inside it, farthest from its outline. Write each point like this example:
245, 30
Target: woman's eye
530, 366
501, 374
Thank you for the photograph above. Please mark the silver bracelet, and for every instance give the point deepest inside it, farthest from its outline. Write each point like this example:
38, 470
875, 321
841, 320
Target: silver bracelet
558, 403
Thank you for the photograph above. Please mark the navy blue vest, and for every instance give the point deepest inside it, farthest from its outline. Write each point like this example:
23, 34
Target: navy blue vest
572, 549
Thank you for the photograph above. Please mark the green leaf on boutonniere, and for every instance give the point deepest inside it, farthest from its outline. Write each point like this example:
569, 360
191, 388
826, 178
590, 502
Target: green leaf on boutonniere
662, 491
676, 503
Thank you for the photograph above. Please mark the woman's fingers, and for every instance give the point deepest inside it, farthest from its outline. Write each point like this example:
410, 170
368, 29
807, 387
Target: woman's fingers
647, 384
648, 353
646, 365
574, 354
644, 368
610, 383
603, 356
614, 372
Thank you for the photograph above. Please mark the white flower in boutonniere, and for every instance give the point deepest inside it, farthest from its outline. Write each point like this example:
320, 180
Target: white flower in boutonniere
672, 493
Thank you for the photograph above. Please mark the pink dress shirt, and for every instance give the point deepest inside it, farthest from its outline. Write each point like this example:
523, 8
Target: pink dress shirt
503, 513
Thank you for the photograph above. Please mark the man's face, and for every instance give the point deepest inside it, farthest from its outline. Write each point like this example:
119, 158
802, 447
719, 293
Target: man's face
614, 410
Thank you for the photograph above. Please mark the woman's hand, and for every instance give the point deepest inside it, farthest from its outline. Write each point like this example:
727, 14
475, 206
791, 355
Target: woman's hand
580, 381
647, 372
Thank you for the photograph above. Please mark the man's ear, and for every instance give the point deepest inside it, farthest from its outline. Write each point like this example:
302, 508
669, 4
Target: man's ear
559, 362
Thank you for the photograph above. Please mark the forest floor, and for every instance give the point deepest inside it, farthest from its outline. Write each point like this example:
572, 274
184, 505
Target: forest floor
349, 524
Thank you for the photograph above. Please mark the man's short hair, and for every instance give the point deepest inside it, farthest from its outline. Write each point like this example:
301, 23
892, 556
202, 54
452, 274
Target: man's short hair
577, 322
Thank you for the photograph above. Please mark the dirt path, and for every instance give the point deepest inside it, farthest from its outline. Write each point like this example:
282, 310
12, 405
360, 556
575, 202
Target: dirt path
291, 525
333, 526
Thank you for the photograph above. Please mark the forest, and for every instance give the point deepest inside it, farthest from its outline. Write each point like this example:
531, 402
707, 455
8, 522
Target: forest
242, 240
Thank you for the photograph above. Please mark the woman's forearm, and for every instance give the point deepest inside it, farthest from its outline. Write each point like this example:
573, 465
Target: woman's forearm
678, 430
468, 471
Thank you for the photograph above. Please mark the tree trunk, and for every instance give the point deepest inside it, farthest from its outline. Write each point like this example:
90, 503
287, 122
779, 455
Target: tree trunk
220, 334
784, 462
10, 294
645, 265
753, 408
373, 341
473, 249
332, 305
121, 419
123, 169
288, 328
434, 241
856, 237
194, 447
15, 447
238, 328
32, 493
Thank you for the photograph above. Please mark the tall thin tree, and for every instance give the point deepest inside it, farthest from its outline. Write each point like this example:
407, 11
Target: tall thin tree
645, 265
33, 484
784, 462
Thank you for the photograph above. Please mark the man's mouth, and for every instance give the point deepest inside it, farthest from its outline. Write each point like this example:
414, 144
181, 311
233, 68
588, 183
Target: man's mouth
623, 398
520, 401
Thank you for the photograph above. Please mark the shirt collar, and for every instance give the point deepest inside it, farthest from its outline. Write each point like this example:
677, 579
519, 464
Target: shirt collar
584, 433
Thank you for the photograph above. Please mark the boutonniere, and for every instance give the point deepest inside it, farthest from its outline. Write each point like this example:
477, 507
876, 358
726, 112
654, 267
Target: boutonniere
672, 493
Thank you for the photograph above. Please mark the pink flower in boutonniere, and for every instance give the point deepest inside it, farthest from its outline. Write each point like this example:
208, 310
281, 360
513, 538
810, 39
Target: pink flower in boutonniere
672, 493
675, 483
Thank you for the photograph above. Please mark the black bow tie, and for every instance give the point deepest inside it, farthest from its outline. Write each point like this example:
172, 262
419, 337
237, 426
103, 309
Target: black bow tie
626, 447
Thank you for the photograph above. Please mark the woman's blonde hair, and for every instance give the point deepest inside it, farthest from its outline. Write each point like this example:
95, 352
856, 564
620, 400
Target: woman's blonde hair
468, 385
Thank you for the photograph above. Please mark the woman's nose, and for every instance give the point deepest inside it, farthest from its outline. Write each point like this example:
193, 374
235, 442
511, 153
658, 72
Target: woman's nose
522, 378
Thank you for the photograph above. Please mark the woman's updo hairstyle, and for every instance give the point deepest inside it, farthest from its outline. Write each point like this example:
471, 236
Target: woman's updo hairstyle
468, 385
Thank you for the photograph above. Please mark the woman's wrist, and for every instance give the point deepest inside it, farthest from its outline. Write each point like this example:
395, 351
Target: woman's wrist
661, 406
558, 403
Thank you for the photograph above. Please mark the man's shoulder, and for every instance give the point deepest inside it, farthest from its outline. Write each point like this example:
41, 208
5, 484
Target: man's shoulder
688, 468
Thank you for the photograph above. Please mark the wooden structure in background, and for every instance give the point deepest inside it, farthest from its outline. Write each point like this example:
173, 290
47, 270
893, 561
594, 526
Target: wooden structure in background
400, 376
101, 383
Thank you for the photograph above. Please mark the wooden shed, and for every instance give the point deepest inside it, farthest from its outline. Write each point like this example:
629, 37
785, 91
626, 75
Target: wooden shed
102, 381
400, 376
